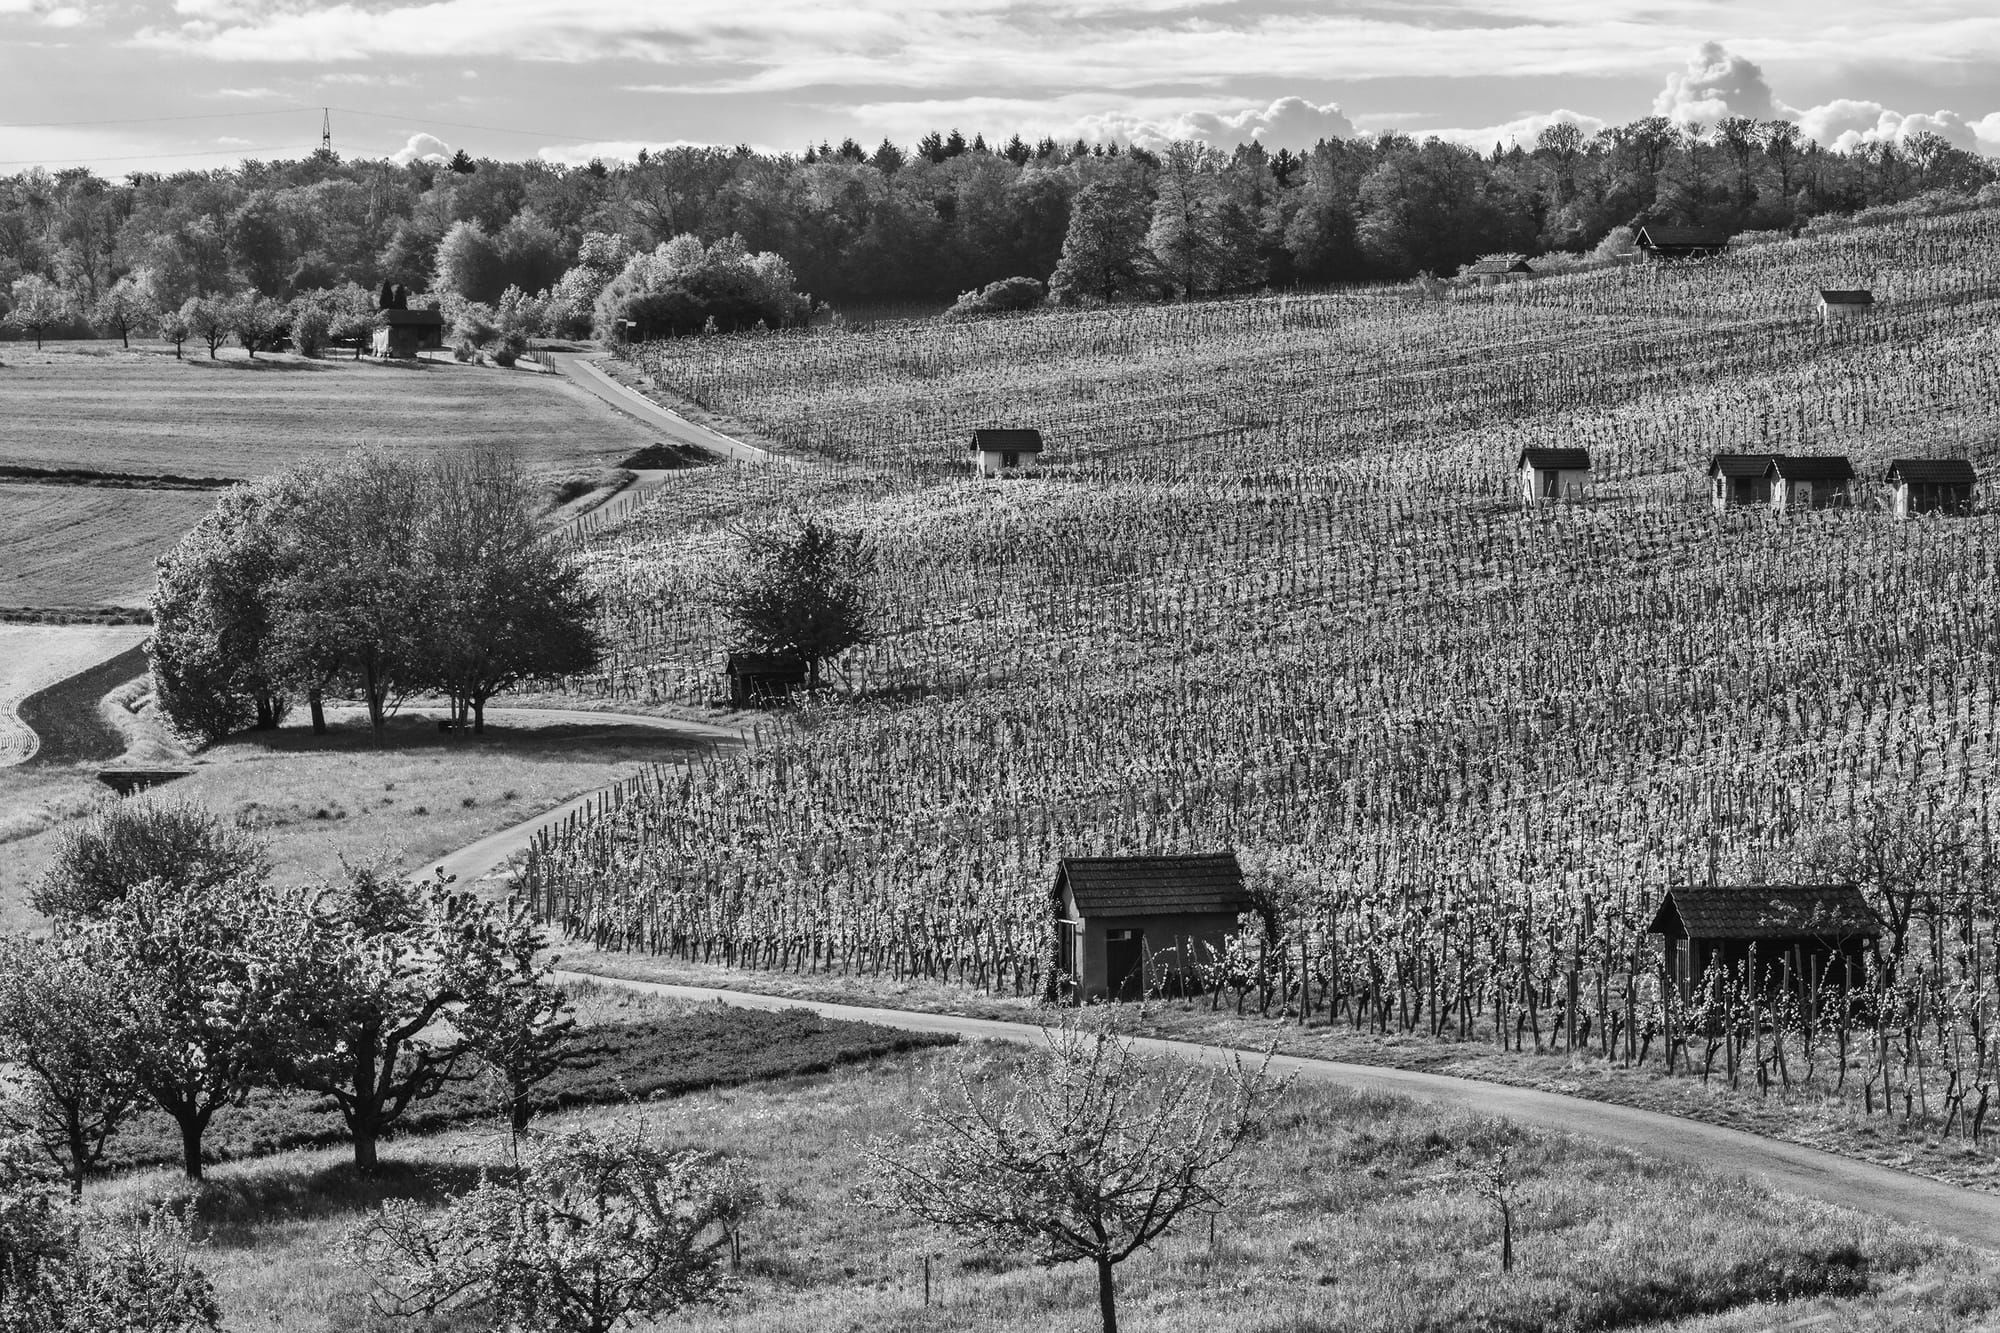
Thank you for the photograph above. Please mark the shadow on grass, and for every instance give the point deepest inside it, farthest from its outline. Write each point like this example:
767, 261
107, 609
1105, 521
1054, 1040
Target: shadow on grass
259, 363
350, 734
233, 1212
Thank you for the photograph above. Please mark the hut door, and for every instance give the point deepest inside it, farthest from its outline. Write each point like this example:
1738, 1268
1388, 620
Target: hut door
1125, 963
1069, 951
1552, 485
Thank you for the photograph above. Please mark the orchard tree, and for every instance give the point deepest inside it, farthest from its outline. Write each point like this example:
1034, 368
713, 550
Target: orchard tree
592, 1234
148, 839
73, 1060
173, 327
124, 306
205, 979
39, 306
803, 592
208, 319
1094, 1152
519, 1021
253, 317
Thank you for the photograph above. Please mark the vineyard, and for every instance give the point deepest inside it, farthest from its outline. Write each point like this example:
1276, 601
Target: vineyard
1270, 592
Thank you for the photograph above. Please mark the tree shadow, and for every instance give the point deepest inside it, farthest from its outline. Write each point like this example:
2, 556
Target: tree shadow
260, 364
237, 1211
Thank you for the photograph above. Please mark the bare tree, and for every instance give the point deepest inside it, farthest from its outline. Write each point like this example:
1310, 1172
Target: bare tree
1092, 1155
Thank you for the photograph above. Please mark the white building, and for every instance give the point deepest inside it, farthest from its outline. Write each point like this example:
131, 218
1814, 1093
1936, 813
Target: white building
1835, 306
1553, 474
997, 451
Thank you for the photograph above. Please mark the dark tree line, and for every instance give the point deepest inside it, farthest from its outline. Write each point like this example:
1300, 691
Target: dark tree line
374, 577
924, 224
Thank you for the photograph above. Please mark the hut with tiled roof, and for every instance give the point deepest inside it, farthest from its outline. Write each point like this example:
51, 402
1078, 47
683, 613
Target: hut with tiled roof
1737, 480
1500, 269
999, 451
1553, 474
1811, 481
1659, 241
1805, 937
1931, 486
1129, 926
1836, 305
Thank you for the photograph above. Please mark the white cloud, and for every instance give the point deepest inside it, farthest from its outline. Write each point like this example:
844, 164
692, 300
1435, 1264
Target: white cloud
1522, 130
64, 16
1845, 124
250, 94
610, 150
231, 141
1716, 83
1289, 122
422, 148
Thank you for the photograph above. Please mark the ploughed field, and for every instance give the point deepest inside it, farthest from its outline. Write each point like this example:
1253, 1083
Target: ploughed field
1273, 591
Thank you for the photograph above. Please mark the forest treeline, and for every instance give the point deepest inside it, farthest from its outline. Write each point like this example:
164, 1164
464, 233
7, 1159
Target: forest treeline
850, 226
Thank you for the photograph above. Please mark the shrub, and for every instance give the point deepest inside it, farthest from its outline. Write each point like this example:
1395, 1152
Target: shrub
998, 298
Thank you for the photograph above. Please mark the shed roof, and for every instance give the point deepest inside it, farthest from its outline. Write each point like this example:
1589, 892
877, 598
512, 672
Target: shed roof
1206, 882
1934, 471
1766, 912
1693, 238
1741, 465
1812, 467
1011, 440
1502, 265
420, 318
766, 664
1850, 296
1555, 460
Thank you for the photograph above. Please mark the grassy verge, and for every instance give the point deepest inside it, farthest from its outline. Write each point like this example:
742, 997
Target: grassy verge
1354, 1214
1813, 1119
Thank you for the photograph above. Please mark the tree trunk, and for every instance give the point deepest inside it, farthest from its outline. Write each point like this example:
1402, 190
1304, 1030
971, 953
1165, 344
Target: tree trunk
1107, 1301
192, 1127
366, 1158
478, 715
318, 712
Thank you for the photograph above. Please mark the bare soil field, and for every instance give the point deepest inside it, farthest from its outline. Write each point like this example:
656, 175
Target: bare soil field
35, 656
87, 545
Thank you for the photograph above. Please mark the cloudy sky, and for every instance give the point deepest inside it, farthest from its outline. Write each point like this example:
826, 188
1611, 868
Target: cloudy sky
163, 84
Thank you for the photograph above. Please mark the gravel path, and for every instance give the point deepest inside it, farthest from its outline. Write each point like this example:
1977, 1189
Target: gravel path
34, 657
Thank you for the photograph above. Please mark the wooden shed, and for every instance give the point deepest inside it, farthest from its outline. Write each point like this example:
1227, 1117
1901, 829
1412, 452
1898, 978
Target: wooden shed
1493, 272
1931, 486
1004, 450
1128, 926
1657, 241
1811, 481
756, 679
1740, 479
1805, 936
403, 333
1553, 474
1850, 303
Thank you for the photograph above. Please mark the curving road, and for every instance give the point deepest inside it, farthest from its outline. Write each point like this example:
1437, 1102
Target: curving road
1965, 1215
582, 372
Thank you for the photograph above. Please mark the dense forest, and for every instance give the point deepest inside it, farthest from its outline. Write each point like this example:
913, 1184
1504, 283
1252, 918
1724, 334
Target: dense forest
851, 227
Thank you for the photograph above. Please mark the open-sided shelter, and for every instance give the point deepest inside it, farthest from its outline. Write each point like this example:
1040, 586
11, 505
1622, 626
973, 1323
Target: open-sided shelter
1553, 474
1657, 241
1740, 479
762, 678
1804, 937
1811, 481
1127, 926
1931, 486
1004, 450
1851, 303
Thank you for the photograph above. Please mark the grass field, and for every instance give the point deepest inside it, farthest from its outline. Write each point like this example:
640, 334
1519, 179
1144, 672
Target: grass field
80, 546
319, 799
141, 412
1355, 1214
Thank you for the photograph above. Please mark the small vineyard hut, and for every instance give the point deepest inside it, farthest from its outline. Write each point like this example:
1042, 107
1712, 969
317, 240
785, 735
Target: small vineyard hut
997, 451
1493, 272
1805, 937
1740, 479
403, 333
1553, 474
1127, 926
1811, 481
1931, 486
1835, 306
1658, 242
762, 678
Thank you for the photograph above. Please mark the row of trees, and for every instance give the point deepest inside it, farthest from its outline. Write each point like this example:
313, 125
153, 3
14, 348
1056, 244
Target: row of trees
951, 216
180, 977
371, 576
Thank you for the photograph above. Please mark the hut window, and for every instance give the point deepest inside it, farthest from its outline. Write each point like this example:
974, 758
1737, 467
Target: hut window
1010, 459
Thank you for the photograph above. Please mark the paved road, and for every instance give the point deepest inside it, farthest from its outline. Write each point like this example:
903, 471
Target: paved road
581, 371
1965, 1215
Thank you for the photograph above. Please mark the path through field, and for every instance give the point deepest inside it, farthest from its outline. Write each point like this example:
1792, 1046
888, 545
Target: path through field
1961, 1214
582, 372
34, 657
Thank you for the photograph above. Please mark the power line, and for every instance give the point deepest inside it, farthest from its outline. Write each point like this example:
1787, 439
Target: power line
459, 125
149, 120
244, 151
417, 120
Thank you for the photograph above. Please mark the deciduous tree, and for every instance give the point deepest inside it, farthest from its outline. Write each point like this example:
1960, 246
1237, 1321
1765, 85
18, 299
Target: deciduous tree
803, 592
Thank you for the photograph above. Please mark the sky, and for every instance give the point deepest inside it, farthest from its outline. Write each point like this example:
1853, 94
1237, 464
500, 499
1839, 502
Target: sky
162, 85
